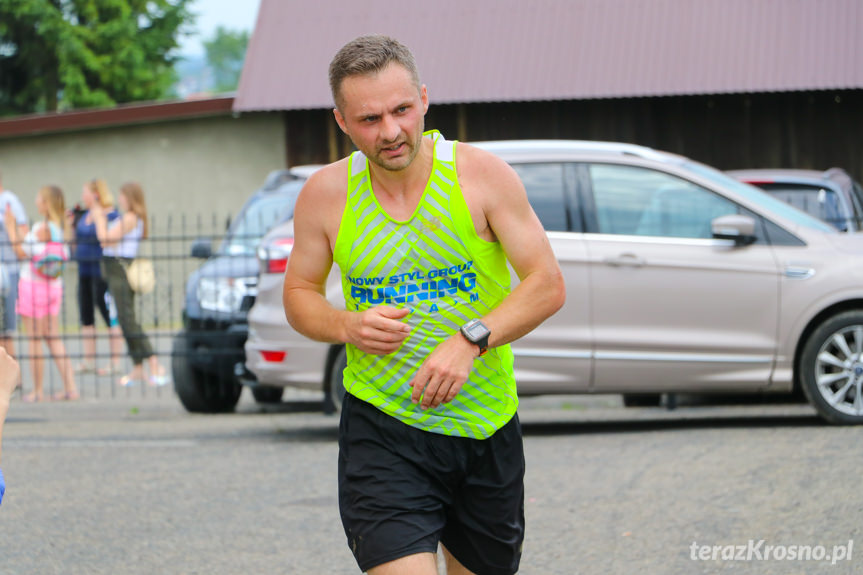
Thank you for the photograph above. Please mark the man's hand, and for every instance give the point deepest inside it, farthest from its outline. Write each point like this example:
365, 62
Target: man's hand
444, 372
378, 330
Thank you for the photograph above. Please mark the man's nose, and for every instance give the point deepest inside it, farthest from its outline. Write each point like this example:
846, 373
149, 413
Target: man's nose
389, 128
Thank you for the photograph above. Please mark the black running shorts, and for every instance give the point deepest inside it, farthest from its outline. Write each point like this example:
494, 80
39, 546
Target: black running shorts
402, 490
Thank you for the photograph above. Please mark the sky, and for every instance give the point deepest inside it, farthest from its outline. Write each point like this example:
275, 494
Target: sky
231, 14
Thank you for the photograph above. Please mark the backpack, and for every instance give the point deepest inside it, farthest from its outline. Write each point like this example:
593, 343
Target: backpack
50, 262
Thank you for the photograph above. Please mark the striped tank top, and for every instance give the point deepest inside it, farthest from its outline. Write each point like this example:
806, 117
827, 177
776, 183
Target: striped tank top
437, 266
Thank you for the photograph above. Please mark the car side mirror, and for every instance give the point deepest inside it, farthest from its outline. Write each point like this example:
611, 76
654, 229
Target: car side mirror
202, 248
735, 227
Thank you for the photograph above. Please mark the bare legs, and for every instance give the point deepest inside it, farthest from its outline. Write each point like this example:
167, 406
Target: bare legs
88, 341
47, 329
421, 564
116, 342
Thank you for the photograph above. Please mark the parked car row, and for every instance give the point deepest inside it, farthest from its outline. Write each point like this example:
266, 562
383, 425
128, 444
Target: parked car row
680, 278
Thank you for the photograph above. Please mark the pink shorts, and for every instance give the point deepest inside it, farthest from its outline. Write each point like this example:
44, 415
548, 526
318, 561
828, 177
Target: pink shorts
39, 298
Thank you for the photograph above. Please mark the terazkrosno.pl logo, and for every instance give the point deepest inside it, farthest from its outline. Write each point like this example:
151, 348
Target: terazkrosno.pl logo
760, 550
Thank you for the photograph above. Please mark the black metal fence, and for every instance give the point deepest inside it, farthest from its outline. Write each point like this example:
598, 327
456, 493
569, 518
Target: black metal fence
159, 312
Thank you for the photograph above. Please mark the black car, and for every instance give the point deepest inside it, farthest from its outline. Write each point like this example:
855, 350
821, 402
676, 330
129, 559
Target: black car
208, 357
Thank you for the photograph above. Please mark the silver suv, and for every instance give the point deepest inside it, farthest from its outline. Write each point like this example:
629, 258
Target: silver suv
679, 279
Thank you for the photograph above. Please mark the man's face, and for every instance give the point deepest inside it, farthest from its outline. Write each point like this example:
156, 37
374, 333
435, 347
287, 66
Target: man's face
383, 114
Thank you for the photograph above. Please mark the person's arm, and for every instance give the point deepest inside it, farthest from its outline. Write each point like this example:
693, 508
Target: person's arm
316, 219
498, 204
71, 232
9, 376
109, 237
23, 243
16, 231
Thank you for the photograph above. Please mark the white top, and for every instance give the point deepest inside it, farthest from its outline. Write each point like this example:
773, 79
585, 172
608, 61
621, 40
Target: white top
7, 198
127, 247
33, 247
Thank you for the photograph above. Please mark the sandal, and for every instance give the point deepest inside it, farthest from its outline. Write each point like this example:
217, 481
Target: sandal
159, 380
83, 368
32, 398
63, 396
127, 381
110, 370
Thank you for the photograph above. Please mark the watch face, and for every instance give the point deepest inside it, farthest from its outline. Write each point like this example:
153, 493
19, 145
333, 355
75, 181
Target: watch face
475, 330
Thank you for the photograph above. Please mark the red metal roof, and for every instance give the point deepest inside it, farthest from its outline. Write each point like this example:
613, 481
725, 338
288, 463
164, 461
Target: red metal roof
525, 50
139, 113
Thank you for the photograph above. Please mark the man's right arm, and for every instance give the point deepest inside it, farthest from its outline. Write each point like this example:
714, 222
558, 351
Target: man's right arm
317, 217
304, 292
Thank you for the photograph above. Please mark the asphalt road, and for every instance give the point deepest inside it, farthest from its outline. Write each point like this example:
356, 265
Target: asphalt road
131, 484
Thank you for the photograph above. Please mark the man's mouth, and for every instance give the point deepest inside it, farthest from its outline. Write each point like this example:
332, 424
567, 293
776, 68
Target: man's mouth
393, 149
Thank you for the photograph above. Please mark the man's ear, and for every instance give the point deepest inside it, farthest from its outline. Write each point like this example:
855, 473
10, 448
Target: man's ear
424, 96
340, 120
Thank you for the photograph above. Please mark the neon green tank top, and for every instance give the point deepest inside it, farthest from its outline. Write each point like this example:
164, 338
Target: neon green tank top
437, 266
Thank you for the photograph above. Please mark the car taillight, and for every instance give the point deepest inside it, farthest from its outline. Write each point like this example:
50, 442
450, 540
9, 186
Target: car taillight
274, 356
273, 257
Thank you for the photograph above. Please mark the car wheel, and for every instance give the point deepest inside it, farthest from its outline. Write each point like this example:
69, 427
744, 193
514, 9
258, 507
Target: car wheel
641, 399
334, 392
831, 368
198, 392
267, 393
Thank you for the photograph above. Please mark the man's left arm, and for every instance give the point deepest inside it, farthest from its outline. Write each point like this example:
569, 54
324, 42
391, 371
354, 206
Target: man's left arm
498, 202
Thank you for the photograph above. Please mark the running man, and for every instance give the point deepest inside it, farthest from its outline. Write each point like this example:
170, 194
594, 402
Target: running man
430, 447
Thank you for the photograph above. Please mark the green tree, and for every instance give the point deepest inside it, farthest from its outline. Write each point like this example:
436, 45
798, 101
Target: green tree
226, 51
62, 54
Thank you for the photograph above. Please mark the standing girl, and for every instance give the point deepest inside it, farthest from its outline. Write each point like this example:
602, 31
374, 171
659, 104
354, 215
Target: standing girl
92, 287
120, 242
40, 296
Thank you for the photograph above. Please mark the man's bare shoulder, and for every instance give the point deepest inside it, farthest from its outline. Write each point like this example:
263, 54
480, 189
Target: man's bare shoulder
326, 185
479, 169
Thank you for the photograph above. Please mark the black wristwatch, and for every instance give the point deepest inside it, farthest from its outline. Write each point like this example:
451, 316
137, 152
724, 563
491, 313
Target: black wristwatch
476, 332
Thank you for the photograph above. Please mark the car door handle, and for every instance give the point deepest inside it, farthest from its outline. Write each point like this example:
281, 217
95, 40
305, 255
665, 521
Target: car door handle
628, 260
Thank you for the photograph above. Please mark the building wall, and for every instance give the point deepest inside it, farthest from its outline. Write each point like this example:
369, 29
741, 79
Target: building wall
195, 173
203, 167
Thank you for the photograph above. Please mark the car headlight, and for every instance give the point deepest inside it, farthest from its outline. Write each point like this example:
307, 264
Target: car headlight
224, 294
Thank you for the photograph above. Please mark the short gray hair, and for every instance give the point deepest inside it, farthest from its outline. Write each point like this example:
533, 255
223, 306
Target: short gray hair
368, 55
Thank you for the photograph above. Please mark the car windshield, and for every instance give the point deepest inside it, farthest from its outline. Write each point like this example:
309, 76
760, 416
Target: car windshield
258, 216
815, 200
763, 199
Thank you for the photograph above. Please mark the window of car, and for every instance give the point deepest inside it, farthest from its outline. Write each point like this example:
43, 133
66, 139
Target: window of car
757, 196
632, 200
261, 213
547, 192
817, 201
